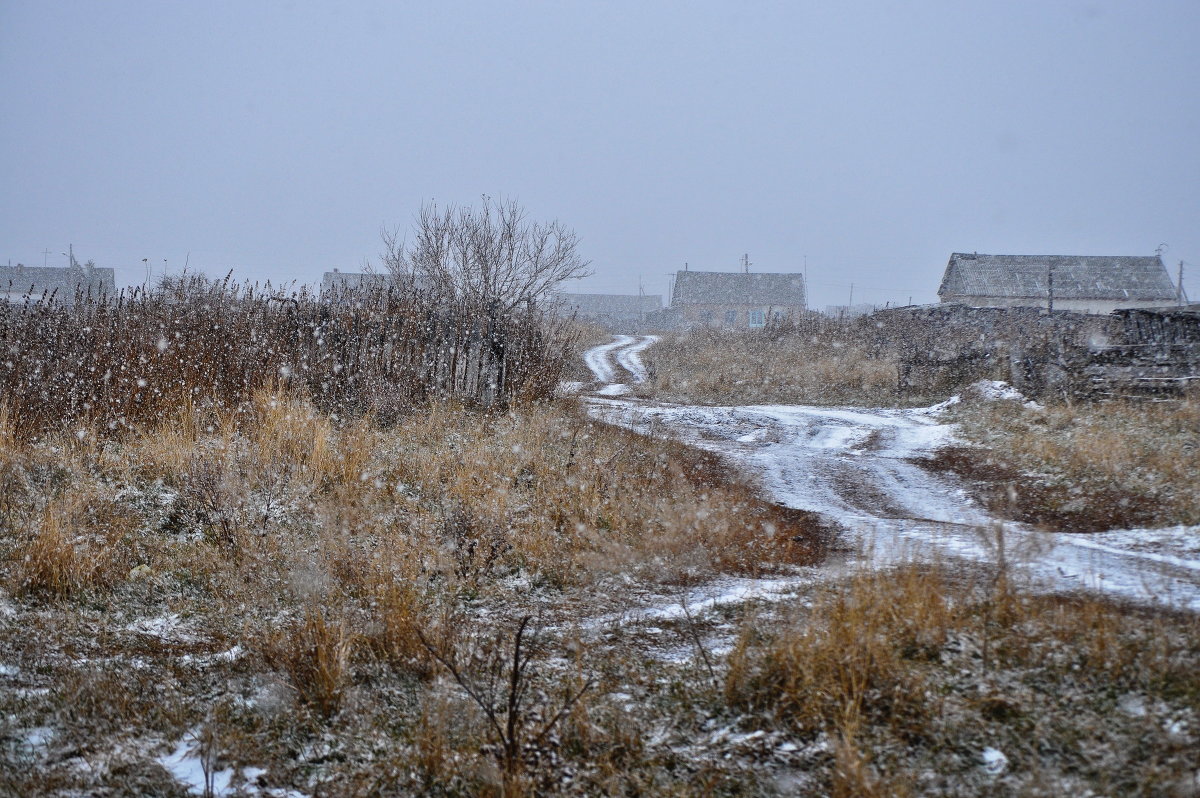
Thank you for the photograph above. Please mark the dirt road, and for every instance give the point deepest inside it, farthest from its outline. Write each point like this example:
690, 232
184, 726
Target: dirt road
860, 469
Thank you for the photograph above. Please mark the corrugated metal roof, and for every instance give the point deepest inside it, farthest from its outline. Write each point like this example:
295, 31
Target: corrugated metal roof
738, 288
1075, 277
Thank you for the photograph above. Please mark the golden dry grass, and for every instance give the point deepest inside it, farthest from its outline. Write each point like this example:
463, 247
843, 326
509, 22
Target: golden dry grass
1089, 467
747, 367
314, 653
913, 672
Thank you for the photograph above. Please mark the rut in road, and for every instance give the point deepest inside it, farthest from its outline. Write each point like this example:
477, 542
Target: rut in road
627, 350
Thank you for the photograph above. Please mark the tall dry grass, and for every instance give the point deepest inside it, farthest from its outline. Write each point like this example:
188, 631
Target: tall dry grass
1086, 466
817, 361
912, 673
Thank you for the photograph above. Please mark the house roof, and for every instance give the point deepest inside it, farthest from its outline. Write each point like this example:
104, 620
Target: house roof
603, 304
36, 280
738, 288
1075, 277
351, 280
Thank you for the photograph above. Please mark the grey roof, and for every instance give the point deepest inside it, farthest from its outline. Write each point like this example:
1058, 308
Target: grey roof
356, 280
34, 281
738, 288
610, 304
1075, 277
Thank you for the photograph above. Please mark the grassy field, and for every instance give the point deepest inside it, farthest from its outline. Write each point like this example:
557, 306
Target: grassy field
266, 595
822, 365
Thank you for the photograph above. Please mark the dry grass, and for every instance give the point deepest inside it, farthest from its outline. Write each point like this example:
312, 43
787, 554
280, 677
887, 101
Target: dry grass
325, 548
113, 365
913, 673
1085, 467
314, 653
266, 580
826, 365
81, 541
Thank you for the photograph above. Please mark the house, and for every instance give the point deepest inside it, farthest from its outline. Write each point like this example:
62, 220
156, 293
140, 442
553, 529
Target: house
342, 281
737, 299
609, 309
1081, 283
22, 283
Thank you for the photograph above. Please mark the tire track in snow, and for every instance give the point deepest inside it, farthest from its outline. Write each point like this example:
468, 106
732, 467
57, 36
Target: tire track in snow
627, 350
599, 359
630, 358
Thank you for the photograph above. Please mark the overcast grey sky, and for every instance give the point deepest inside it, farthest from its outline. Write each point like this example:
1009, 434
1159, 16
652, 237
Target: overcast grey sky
875, 138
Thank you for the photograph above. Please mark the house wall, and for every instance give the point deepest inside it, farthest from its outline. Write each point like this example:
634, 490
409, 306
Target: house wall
714, 315
1092, 306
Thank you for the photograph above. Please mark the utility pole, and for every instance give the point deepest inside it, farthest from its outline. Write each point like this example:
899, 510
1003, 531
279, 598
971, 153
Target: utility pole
45, 257
746, 263
1050, 287
806, 282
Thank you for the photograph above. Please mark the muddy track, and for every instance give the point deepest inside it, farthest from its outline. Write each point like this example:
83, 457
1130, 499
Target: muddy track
860, 469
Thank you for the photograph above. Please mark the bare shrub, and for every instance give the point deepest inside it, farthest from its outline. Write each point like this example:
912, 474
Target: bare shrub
501, 684
492, 258
135, 360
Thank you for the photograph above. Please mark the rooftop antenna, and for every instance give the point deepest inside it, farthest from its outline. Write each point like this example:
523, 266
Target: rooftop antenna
746, 263
1160, 249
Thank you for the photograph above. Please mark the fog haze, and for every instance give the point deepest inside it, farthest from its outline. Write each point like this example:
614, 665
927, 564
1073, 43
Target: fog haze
869, 139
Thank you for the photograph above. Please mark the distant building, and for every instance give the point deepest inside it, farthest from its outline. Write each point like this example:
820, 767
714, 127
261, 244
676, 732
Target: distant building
850, 311
353, 280
1084, 284
21, 283
737, 299
609, 309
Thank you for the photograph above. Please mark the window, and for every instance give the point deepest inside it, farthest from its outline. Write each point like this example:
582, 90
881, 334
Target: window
731, 317
756, 318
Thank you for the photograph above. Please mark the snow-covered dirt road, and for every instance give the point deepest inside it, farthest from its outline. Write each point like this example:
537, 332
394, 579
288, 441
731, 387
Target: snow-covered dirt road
627, 350
859, 468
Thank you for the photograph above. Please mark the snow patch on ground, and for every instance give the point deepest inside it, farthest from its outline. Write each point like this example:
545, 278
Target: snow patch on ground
599, 360
186, 766
994, 761
170, 627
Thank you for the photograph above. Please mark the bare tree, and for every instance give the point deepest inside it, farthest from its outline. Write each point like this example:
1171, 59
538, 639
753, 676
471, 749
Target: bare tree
491, 257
